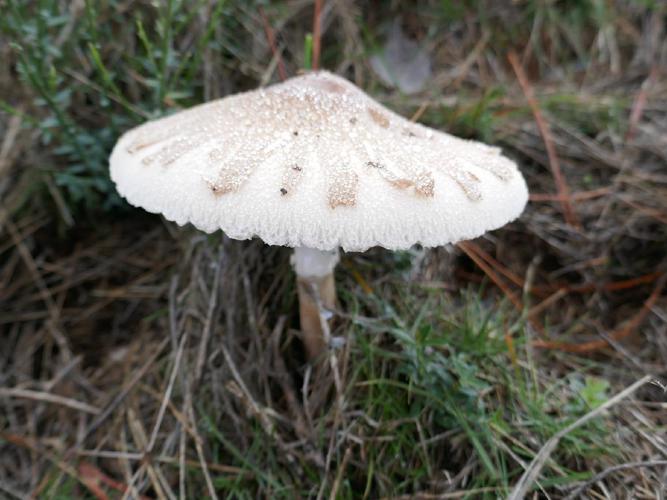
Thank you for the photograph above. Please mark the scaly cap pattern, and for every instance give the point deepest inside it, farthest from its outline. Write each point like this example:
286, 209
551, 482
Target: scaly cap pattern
316, 162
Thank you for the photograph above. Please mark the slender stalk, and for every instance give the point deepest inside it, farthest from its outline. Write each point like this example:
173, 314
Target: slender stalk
317, 295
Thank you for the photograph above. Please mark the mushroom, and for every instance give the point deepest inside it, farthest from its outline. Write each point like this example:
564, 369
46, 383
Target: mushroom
315, 164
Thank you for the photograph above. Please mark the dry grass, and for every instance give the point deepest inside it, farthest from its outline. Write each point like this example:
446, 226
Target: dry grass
138, 359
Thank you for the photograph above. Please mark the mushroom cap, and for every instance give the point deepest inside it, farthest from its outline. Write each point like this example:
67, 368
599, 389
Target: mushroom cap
316, 162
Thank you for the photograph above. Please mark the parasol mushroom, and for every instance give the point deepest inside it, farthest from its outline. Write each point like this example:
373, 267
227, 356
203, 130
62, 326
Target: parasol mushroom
314, 163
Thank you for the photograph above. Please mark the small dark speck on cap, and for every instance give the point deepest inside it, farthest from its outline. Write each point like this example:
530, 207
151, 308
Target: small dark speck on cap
283, 191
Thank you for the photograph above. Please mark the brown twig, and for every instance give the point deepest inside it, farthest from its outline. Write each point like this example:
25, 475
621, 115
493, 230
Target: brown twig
545, 132
122, 394
578, 196
190, 412
206, 334
138, 457
138, 433
339, 474
317, 34
640, 103
271, 39
513, 277
359, 279
44, 291
614, 285
47, 397
471, 250
648, 211
34, 446
610, 470
7, 145
284, 379
564, 287
463, 69
594, 345
420, 111
549, 301
92, 477
167, 393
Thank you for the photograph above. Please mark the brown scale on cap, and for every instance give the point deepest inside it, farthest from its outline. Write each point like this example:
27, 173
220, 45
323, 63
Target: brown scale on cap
148, 135
227, 181
247, 129
183, 125
468, 182
425, 185
172, 151
291, 178
421, 180
140, 144
343, 185
331, 86
391, 177
379, 117
233, 173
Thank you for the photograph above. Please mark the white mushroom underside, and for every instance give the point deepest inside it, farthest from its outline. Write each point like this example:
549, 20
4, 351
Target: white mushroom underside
318, 165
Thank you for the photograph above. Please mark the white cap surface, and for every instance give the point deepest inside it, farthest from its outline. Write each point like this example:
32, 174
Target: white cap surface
315, 162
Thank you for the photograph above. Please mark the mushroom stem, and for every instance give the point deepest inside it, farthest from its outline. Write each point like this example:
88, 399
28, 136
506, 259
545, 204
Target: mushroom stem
317, 295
